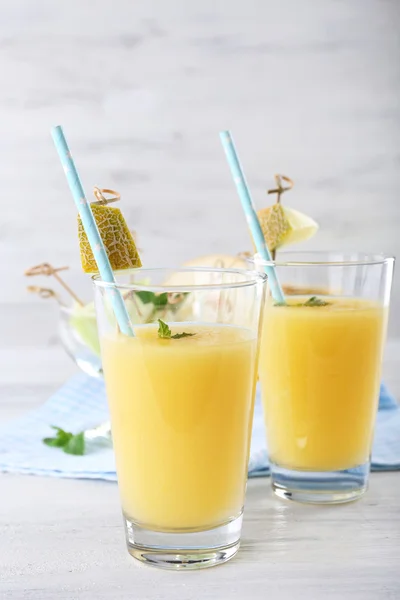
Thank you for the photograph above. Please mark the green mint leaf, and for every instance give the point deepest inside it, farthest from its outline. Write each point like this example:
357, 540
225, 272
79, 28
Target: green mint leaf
76, 445
55, 442
60, 432
178, 336
62, 438
146, 297
70, 443
314, 301
160, 300
163, 330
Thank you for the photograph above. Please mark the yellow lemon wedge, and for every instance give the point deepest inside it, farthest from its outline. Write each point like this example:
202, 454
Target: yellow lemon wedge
282, 226
116, 236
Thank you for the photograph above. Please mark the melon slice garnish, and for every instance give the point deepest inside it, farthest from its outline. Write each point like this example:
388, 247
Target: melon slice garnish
282, 226
83, 321
117, 238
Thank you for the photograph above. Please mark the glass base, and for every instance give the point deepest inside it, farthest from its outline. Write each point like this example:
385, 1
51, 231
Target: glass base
320, 487
184, 550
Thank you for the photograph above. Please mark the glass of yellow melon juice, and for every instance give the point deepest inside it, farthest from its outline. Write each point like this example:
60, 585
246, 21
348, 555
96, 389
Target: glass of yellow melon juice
181, 395
320, 367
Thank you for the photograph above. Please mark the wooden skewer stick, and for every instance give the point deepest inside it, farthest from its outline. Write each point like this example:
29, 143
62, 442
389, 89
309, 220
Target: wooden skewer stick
279, 190
45, 293
101, 199
48, 270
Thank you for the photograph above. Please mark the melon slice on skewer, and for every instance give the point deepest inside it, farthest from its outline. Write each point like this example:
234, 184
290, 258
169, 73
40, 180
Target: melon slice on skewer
116, 236
283, 226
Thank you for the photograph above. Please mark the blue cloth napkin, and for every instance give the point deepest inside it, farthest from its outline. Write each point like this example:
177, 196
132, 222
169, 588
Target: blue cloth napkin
81, 404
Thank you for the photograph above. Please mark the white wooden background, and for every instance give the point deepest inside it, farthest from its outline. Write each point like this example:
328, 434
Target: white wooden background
309, 89
142, 88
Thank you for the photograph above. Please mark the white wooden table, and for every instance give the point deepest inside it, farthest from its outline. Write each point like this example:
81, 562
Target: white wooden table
63, 539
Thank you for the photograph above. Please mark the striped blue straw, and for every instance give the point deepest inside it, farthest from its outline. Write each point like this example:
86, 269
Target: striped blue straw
250, 212
90, 227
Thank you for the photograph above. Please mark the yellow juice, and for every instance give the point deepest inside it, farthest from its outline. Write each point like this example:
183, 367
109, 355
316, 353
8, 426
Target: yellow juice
320, 373
181, 414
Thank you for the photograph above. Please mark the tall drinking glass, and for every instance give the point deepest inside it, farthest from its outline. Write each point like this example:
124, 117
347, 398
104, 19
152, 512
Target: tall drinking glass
320, 368
181, 395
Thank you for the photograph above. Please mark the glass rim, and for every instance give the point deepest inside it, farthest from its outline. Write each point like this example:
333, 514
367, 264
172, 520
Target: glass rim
252, 278
362, 258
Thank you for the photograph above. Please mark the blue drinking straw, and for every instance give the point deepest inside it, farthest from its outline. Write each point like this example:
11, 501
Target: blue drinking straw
90, 227
250, 212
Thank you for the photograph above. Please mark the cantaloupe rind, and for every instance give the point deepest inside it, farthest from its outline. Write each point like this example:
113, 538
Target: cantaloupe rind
282, 226
117, 238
